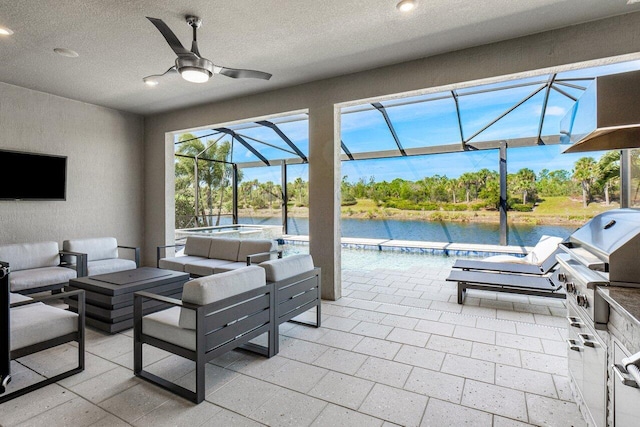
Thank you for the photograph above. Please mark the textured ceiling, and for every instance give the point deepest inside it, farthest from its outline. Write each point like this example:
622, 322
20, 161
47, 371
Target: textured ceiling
297, 41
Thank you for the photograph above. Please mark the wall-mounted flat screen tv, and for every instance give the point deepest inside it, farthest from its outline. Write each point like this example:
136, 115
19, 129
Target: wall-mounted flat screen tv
31, 176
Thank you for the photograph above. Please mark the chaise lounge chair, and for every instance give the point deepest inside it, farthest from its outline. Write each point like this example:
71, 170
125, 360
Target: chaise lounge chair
531, 275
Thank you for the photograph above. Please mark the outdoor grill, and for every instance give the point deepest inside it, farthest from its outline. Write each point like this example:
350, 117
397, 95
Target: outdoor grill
603, 252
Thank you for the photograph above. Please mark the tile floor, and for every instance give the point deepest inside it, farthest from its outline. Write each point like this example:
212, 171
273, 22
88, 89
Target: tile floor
395, 350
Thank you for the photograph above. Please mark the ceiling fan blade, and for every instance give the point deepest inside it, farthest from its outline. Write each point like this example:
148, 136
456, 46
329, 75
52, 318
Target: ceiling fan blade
170, 37
241, 74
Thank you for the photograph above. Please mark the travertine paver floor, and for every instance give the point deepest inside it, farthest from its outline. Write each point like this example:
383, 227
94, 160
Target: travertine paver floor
395, 350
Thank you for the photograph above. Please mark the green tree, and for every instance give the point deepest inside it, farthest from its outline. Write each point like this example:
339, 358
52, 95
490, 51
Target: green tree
525, 183
585, 172
609, 172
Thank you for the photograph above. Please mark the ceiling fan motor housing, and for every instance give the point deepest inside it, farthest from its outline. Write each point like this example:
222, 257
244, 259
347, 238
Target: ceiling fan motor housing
194, 63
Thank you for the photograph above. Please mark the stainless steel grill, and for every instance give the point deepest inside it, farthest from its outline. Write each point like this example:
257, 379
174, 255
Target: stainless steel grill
603, 252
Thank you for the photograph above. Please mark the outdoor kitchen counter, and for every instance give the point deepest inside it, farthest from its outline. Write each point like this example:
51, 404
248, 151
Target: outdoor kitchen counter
624, 317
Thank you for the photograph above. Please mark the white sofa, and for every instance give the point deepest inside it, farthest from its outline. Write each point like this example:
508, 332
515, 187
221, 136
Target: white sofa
204, 256
101, 255
35, 267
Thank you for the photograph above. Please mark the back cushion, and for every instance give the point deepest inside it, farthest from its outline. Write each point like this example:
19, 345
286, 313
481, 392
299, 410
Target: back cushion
280, 269
543, 249
197, 246
208, 289
96, 248
255, 246
25, 256
224, 249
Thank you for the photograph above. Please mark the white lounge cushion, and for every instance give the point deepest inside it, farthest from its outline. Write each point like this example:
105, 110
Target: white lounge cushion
13, 298
545, 247
280, 269
39, 322
177, 263
255, 246
164, 325
204, 267
197, 246
25, 256
224, 249
37, 277
209, 289
104, 266
507, 258
95, 248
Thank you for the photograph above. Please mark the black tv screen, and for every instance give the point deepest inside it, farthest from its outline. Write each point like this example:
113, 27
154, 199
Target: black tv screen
30, 176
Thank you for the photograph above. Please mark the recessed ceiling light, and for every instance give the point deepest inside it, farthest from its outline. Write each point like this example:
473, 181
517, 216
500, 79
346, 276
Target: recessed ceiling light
151, 82
406, 5
66, 52
4, 31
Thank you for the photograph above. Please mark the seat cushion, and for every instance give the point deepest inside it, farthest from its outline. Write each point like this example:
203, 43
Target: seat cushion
96, 248
39, 322
229, 267
164, 326
197, 246
37, 277
177, 263
507, 258
205, 267
224, 249
255, 246
209, 289
280, 269
25, 256
104, 266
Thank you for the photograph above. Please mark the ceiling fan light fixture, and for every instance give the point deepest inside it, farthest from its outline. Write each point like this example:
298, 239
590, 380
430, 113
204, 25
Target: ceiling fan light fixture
195, 75
406, 5
150, 81
4, 31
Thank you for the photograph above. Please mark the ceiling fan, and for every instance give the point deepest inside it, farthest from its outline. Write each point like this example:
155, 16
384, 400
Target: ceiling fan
190, 64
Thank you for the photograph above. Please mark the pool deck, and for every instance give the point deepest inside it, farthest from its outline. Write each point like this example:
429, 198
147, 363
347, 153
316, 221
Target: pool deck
418, 246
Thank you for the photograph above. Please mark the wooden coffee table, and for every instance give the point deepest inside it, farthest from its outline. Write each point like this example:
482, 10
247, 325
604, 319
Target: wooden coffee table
109, 297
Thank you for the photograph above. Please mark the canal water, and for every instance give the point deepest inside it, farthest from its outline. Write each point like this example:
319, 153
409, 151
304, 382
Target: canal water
428, 231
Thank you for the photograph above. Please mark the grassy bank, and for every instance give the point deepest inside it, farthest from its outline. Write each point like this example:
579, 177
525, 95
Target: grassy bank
551, 211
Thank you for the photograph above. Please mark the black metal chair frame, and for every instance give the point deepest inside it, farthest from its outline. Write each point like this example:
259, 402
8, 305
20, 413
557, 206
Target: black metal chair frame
81, 265
221, 326
6, 354
295, 295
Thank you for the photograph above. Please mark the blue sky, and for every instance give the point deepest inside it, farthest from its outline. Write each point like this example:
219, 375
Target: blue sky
435, 123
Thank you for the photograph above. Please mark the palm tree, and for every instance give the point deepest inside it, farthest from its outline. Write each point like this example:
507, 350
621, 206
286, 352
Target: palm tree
525, 182
609, 172
585, 172
467, 179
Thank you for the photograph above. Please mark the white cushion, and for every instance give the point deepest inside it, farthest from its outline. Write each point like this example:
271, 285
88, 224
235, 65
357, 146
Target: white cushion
177, 263
104, 266
37, 277
209, 289
96, 248
255, 246
224, 249
280, 269
197, 246
229, 267
164, 325
30, 255
39, 322
545, 247
13, 298
204, 267
507, 258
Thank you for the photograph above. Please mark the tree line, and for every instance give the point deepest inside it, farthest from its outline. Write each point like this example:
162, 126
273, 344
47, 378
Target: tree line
590, 179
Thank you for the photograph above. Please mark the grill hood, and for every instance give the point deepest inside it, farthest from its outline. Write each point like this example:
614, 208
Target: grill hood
613, 237
605, 117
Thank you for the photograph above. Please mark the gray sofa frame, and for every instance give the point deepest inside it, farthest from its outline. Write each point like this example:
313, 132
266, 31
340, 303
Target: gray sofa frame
6, 355
221, 326
82, 259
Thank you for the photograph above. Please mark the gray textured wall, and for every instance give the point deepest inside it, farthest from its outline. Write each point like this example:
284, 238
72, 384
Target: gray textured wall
105, 175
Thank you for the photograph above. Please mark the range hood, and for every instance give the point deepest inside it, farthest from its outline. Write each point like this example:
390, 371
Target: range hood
605, 117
